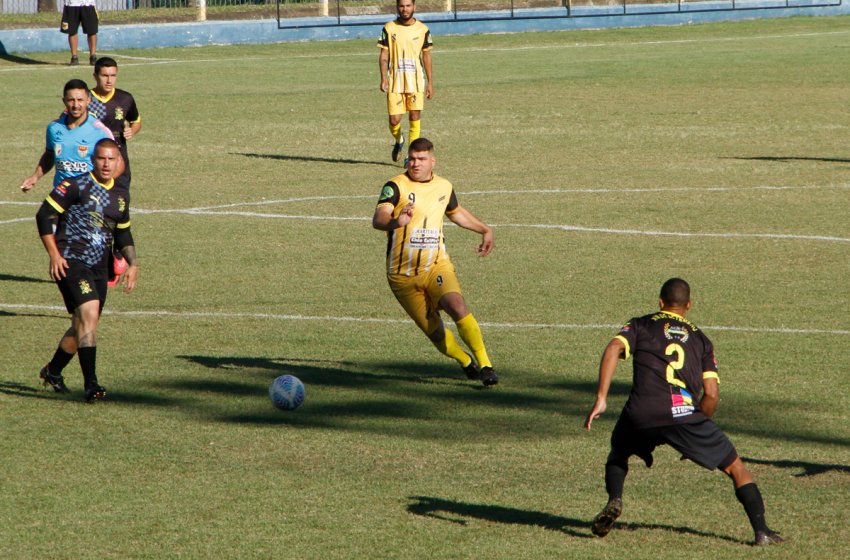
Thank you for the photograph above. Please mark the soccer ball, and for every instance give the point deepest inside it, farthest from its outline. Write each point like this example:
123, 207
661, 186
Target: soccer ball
286, 392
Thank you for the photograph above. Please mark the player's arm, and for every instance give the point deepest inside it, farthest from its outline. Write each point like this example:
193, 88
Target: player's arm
45, 164
383, 217
467, 220
710, 397
383, 67
45, 219
125, 244
426, 65
131, 129
607, 366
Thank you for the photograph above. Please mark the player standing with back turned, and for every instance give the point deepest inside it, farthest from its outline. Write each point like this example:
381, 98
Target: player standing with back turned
673, 397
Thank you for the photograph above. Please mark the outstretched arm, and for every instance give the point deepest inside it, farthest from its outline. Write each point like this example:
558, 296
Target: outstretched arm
45, 164
467, 220
607, 367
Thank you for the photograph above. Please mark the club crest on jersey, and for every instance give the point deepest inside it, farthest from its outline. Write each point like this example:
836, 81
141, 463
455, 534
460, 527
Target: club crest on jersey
119, 114
121, 204
82, 150
85, 287
386, 193
675, 332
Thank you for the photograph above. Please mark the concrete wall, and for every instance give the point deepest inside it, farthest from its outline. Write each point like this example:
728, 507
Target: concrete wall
112, 37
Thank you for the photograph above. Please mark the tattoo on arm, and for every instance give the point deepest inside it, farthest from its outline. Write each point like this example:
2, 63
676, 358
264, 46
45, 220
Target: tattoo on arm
129, 253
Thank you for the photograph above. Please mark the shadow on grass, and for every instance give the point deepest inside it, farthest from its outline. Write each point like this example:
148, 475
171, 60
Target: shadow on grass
15, 59
284, 157
457, 512
809, 469
786, 159
20, 390
16, 278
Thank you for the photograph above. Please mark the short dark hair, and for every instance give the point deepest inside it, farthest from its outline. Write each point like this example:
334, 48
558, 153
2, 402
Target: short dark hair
104, 62
106, 143
675, 292
421, 145
74, 84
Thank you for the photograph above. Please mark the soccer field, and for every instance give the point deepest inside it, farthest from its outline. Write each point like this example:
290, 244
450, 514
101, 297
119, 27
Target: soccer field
607, 162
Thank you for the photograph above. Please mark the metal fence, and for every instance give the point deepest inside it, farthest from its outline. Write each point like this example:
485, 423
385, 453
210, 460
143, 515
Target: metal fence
332, 13
31, 6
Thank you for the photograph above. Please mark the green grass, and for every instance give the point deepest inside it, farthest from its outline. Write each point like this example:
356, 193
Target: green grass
736, 132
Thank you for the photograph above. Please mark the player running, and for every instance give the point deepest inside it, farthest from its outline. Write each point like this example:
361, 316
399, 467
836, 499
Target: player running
421, 275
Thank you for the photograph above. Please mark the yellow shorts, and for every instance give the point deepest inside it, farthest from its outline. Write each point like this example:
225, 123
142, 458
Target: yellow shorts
420, 295
401, 103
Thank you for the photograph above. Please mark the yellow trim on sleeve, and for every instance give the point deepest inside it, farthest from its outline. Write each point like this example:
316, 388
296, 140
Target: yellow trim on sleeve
626, 344
125, 225
711, 375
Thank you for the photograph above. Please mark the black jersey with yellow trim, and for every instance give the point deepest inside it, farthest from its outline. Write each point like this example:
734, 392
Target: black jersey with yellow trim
89, 214
671, 358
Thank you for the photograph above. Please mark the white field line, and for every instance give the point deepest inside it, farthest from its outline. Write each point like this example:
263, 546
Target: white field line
346, 319
219, 210
463, 50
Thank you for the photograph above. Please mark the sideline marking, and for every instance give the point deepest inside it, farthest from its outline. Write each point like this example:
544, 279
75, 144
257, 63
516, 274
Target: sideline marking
286, 317
462, 50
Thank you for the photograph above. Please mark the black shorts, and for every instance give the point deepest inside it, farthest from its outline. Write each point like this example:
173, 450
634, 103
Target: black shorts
704, 443
73, 16
82, 284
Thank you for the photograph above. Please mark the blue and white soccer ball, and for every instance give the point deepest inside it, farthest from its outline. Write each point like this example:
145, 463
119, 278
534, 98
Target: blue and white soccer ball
287, 392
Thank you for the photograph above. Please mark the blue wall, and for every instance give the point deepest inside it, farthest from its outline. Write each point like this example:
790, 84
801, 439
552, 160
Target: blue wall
113, 37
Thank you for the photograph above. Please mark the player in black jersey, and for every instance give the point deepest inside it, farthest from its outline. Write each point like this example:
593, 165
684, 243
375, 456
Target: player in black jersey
93, 210
116, 109
673, 397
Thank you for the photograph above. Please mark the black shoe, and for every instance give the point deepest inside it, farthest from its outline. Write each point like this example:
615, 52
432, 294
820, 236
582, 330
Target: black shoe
55, 381
74, 61
397, 147
471, 370
488, 376
764, 538
95, 392
604, 522
92, 59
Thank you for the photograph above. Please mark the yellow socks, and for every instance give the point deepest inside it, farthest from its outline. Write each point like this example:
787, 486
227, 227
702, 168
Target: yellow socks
452, 349
395, 130
415, 128
470, 332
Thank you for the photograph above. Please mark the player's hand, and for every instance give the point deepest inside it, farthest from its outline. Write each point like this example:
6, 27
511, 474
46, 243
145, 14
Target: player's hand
599, 407
406, 215
129, 278
487, 244
128, 131
385, 84
429, 91
29, 183
58, 266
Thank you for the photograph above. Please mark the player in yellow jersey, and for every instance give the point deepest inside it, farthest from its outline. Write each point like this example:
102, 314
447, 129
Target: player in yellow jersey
404, 64
420, 273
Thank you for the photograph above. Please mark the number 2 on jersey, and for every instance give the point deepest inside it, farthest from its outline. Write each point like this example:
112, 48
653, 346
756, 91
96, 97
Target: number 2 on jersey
675, 365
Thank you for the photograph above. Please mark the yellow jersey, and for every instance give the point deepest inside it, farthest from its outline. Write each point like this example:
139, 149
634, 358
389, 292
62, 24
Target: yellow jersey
416, 247
405, 44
